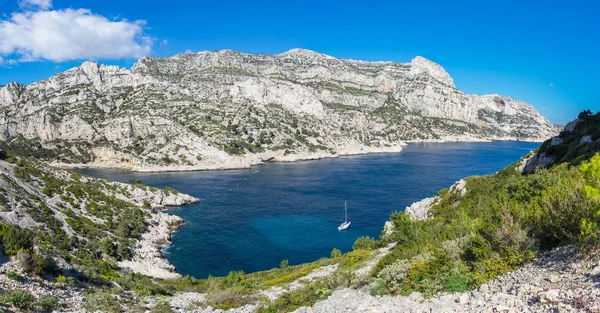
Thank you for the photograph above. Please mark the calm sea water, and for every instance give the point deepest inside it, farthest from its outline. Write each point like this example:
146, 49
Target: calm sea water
252, 219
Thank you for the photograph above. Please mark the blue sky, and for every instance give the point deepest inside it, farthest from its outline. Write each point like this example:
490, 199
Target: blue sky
543, 52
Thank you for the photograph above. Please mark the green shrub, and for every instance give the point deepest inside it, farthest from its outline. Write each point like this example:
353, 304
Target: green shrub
284, 264
457, 283
162, 308
20, 299
291, 274
335, 253
355, 257
47, 303
236, 279
170, 190
14, 276
31, 263
102, 301
364, 243
135, 181
14, 238
108, 248
229, 299
292, 300
393, 276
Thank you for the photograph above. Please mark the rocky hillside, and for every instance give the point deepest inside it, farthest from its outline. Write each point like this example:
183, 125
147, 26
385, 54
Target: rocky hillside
579, 141
66, 233
227, 109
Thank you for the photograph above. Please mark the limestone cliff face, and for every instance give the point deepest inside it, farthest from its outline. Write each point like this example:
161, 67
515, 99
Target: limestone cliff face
227, 109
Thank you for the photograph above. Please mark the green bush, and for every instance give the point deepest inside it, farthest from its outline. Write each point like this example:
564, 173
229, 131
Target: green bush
47, 303
355, 257
236, 279
162, 308
292, 300
14, 276
102, 301
284, 264
14, 238
135, 181
364, 243
290, 274
31, 263
108, 248
335, 253
457, 283
393, 276
20, 299
229, 299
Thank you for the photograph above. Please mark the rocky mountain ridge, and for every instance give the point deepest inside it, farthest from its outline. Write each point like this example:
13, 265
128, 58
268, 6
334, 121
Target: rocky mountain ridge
227, 109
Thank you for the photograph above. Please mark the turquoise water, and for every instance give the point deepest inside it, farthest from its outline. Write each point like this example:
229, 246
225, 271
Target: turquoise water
252, 219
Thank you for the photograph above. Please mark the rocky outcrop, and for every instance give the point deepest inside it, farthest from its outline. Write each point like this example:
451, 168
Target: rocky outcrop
147, 256
227, 109
579, 141
420, 209
459, 187
570, 127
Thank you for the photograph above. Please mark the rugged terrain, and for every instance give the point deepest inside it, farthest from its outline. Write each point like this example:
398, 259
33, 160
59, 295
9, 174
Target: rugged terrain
227, 109
565, 280
75, 243
66, 233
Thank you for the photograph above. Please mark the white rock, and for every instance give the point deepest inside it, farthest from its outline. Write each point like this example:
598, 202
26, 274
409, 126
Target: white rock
548, 296
585, 139
420, 209
570, 127
556, 141
181, 113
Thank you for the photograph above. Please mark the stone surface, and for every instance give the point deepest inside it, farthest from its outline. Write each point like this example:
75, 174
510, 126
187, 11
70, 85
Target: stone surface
570, 127
536, 161
420, 209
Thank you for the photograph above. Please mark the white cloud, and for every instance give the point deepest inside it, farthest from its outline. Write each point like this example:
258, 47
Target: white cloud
164, 42
42, 4
188, 51
70, 34
551, 85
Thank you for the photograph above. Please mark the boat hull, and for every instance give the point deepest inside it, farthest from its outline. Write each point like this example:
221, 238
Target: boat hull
344, 226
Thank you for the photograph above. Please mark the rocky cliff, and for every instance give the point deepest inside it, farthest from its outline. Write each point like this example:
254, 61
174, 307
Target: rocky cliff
227, 109
578, 141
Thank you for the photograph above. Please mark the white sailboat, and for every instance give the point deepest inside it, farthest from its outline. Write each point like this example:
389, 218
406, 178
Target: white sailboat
345, 224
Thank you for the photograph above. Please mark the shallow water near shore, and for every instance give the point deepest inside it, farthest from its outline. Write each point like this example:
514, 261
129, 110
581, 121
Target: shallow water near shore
252, 219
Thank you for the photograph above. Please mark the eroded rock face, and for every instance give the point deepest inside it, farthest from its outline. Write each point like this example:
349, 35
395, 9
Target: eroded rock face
536, 162
570, 127
227, 109
420, 209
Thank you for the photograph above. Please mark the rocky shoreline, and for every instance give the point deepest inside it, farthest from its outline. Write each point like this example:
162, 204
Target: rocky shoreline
147, 255
236, 163
273, 156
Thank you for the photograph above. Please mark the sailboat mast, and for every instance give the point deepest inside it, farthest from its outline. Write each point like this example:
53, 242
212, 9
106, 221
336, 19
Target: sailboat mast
345, 212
